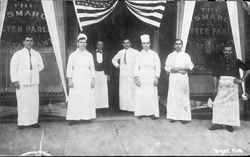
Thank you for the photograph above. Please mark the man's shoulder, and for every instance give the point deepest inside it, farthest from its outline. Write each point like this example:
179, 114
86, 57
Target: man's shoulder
132, 49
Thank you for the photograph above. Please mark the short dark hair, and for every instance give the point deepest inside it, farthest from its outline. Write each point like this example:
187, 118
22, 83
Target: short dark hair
27, 36
126, 38
99, 41
178, 40
228, 44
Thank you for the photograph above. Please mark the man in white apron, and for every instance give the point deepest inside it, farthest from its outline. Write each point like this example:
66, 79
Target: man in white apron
81, 82
125, 60
102, 76
25, 66
226, 103
178, 63
147, 72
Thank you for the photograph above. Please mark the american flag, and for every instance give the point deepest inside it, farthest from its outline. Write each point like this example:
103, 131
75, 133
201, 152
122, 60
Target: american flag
93, 11
150, 12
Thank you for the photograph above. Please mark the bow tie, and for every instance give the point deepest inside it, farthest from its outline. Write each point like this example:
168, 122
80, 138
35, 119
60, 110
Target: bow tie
98, 51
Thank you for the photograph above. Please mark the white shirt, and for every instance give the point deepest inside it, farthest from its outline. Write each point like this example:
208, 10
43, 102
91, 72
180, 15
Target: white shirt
20, 68
178, 59
99, 57
148, 59
127, 61
78, 61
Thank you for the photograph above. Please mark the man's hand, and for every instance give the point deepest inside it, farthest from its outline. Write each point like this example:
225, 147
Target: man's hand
156, 81
137, 81
93, 83
238, 81
70, 84
16, 85
108, 78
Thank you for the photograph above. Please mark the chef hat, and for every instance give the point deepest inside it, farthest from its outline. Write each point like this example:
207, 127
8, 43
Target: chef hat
145, 38
84, 36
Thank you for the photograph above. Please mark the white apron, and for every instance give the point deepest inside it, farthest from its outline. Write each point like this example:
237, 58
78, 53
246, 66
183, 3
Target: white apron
81, 100
147, 94
127, 93
101, 90
27, 105
126, 79
178, 103
226, 103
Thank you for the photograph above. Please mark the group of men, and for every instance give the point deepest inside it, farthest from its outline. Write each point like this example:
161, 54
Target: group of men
138, 81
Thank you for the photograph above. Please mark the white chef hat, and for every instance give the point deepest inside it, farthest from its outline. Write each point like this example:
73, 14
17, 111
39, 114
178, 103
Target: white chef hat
82, 36
145, 38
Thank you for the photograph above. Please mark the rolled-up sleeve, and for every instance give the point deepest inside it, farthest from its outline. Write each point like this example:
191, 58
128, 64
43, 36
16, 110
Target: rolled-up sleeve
70, 66
168, 65
189, 63
116, 59
40, 62
14, 63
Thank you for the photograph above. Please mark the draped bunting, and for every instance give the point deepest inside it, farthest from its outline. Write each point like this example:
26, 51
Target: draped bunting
3, 6
89, 12
49, 12
150, 12
234, 21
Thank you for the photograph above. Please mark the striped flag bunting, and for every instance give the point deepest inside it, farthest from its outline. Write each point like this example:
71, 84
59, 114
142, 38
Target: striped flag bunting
150, 12
93, 11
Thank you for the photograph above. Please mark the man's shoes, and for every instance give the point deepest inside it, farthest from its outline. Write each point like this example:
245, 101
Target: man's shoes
184, 122
72, 122
35, 125
139, 117
229, 128
153, 117
20, 127
86, 121
215, 127
172, 121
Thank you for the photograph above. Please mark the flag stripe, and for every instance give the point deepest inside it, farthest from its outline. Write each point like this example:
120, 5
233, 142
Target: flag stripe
82, 19
150, 12
89, 11
151, 18
146, 20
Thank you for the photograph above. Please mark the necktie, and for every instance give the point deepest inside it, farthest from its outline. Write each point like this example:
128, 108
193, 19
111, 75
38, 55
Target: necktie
125, 57
30, 60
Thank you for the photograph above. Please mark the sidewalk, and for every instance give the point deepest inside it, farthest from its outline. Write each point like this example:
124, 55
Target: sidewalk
126, 135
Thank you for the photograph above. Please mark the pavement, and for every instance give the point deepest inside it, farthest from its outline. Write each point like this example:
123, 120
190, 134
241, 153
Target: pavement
125, 135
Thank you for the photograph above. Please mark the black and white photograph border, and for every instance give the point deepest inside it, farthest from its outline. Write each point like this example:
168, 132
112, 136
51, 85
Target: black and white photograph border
124, 78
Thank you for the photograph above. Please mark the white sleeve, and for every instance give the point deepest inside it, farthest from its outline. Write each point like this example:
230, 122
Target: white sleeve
14, 63
157, 65
137, 65
40, 62
189, 62
92, 66
70, 66
116, 59
168, 65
